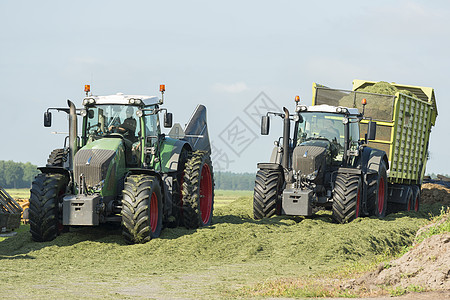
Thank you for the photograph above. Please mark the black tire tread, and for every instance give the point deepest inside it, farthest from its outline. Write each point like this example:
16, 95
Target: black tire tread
191, 189
56, 158
268, 185
45, 196
345, 197
137, 193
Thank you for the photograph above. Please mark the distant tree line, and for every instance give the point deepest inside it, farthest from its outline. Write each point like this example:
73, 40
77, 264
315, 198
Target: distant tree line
434, 176
234, 181
15, 175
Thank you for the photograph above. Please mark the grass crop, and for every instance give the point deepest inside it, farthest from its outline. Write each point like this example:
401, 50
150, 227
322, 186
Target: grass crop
19, 193
440, 224
234, 257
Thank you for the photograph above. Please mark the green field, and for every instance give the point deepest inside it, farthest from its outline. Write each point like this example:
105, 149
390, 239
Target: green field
19, 193
236, 257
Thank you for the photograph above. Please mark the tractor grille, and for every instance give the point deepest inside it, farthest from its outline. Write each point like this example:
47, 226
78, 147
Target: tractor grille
308, 159
93, 164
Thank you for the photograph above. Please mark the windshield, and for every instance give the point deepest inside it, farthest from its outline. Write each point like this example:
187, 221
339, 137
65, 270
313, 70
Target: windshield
104, 120
327, 127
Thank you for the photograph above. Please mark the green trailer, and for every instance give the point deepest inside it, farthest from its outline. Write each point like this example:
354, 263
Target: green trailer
404, 115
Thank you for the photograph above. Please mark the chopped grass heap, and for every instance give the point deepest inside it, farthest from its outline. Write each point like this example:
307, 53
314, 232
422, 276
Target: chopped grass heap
211, 262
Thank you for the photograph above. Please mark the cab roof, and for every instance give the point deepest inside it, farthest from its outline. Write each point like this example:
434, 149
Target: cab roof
121, 99
327, 108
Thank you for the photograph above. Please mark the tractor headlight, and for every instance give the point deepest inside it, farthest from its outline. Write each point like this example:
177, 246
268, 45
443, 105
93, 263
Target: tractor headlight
301, 108
341, 110
88, 101
139, 113
135, 101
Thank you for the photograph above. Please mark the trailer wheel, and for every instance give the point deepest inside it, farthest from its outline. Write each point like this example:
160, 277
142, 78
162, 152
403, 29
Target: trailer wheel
56, 158
142, 209
346, 198
47, 191
268, 185
409, 204
416, 197
198, 190
377, 196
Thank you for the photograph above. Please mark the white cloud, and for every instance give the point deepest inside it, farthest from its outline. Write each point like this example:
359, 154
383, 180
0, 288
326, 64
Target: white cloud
233, 88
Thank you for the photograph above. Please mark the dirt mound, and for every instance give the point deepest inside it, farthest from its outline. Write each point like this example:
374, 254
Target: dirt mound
426, 266
435, 193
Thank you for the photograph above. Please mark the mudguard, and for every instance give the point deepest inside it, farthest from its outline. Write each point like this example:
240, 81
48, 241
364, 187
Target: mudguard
372, 158
170, 154
196, 132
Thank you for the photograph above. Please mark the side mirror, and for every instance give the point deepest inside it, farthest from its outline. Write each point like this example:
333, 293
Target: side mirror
371, 130
47, 119
168, 120
265, 124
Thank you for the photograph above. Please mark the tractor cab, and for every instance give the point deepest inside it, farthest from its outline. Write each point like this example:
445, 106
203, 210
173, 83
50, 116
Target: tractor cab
120, 116
324, 126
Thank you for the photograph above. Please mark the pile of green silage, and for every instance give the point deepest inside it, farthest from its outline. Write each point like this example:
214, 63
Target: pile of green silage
378, 107
208, 262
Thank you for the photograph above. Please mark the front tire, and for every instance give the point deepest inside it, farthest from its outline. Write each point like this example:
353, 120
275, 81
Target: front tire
142, 209
268, 184
47, 191
347, 198
198, 190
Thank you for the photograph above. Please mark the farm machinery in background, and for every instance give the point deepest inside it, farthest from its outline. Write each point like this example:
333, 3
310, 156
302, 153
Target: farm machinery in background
336, 160
123, 169
10, 212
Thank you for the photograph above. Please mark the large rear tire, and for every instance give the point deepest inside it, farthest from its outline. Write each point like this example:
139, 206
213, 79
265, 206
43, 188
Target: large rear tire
198, 190
268, 185
346, 197
177, 191
56, 158
47, 191
142, 209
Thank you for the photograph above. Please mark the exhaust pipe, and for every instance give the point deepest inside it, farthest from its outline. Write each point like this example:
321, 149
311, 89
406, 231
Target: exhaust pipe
73, 134
286, 134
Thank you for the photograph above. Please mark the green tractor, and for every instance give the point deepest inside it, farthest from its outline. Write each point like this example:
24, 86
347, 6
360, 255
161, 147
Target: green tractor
323, 165
124, 170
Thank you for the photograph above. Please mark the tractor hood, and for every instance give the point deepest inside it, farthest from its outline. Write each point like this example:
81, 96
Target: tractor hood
100, 163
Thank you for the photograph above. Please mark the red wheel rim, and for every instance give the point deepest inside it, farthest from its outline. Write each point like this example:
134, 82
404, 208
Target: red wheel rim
381, 196
410, 199
154, 212
205, 194
358, 202
416, 203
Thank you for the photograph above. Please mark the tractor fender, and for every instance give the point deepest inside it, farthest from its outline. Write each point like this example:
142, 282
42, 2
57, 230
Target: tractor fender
276, 155
372, 158
55, 170
170, 154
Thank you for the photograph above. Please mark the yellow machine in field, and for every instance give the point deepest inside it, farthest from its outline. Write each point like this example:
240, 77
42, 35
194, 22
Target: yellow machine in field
10, 212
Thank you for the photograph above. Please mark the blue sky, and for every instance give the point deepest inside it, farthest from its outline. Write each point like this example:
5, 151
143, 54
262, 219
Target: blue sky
221, 54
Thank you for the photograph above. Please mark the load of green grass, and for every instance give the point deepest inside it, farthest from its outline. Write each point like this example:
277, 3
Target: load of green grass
385, 88
378, 107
